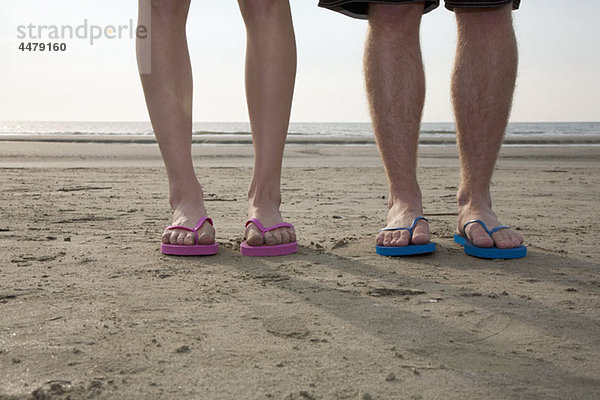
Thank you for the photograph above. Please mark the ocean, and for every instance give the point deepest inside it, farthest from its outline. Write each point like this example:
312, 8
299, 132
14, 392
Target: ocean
231, 132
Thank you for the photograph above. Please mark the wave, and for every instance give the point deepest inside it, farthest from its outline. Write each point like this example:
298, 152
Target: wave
325, 131
293, 140
438, 132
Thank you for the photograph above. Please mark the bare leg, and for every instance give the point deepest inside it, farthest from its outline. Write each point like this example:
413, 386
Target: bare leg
396, 90
482, 91
168, 91
270, 77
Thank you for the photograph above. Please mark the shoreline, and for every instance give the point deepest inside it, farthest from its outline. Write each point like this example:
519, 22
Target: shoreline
291, 140
83, 154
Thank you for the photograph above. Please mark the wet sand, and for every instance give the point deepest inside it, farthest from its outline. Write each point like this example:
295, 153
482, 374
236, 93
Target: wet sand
89, 308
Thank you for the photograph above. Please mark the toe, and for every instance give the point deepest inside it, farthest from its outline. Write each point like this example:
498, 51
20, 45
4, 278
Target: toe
479, 237
502, 239
189, 239
166, 237
204, 238
174, 236
506, 239
501, 244
395, 238
379, 239
255, 239
181, 238
404, 238
517, 239
520, 239
277, 235
206, 234
516, 242
270, 239
513, 241
292, 236
387, 238
420, 233
253, 236
285, 236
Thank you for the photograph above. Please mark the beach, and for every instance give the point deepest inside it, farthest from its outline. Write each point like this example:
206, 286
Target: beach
90, 308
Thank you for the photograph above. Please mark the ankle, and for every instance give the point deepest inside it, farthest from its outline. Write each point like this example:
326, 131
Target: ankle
264, 197
190, 197
472, 199
406, 199
262, 201
406, 207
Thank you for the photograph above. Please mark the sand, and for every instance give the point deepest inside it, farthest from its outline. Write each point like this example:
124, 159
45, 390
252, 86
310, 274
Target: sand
89, 308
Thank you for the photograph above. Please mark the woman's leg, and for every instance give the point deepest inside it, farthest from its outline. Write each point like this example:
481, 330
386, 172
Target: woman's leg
168, 91
270, 77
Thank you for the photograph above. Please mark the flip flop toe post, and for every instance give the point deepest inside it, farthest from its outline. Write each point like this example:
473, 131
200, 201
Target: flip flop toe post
487, 252
411, 249
190, 250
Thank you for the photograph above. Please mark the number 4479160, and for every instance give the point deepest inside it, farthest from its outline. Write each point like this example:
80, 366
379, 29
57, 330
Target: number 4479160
42, 46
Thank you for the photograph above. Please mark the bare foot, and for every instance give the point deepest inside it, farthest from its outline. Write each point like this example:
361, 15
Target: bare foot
402, 214
503, 239
267, 212
187, 212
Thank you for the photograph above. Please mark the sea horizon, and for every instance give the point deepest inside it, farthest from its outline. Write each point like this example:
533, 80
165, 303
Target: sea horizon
530, 133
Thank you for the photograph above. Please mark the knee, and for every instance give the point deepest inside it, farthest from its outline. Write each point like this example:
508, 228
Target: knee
258, 11
170, 11
393, 20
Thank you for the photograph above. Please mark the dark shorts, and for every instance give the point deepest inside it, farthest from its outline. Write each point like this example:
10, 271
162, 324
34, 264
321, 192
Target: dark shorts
360, 8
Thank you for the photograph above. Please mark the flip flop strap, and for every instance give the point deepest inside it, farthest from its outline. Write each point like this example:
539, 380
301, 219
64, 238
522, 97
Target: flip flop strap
499, 228
262, 228
484, 226
201, 222
410, 228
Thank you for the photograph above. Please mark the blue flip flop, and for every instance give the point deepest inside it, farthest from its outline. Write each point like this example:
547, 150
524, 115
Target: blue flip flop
410, 250
488, 252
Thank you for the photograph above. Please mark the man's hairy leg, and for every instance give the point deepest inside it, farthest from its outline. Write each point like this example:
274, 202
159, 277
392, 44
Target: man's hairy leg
396, 90
482, 90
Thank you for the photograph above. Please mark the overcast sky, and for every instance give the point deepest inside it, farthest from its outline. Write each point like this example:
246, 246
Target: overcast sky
558, 79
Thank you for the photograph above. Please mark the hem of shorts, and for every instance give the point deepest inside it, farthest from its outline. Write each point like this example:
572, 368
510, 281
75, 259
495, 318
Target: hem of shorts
348, 13
338, 6
476, 4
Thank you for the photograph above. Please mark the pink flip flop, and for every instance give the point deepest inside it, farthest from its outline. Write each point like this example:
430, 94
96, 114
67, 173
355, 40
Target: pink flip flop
190, 250
267, 251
